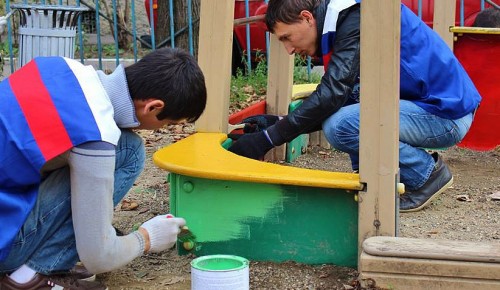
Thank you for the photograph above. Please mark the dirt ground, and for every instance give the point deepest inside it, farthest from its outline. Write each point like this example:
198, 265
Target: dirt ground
469, 210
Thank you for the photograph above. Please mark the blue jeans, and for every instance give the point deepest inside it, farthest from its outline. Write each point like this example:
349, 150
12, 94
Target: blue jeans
418, 129
46, 242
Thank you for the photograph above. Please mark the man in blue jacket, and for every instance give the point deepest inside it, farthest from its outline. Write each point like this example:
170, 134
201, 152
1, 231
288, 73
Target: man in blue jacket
437, 97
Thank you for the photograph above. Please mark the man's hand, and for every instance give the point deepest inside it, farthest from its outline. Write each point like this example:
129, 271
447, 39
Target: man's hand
252, 145
258, 123
162, 232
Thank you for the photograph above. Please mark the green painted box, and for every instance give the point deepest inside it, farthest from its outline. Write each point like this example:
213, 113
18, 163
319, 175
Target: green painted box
267, 222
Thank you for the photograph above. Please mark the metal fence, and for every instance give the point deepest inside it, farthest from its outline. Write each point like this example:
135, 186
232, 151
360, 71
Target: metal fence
97, 22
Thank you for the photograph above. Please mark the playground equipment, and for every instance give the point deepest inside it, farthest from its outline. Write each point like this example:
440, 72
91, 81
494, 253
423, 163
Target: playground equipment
407, 263
258, 210
478, 49
266, 211
273, 212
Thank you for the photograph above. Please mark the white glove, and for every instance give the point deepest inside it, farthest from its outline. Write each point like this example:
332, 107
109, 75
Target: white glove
163, 232
3, 23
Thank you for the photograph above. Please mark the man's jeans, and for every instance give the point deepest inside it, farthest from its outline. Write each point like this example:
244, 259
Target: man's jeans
418, 129
46, 242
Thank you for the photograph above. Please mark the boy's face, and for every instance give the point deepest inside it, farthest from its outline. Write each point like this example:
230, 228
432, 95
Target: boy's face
146, 112
150, 122
300, 37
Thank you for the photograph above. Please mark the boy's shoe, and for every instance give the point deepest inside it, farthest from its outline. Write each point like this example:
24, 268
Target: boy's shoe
81, 273
43, 282
440, 179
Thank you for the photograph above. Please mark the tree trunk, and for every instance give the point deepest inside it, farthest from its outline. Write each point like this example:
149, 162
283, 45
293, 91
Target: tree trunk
122, 19
162, 28
181, 23
124, 39
196, 25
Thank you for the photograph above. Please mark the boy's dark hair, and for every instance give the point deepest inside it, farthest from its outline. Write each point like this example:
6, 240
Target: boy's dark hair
287, 11
489, 17
173, 76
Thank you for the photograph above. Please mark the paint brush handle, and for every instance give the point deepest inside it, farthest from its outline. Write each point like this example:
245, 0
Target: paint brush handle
185, 236
231, 127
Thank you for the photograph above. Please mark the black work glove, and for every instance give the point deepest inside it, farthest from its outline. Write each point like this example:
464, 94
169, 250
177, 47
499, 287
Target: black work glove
252, 145
258, 123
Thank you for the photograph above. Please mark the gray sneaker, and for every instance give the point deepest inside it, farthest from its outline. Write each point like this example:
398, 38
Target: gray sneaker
43, 282
440, 179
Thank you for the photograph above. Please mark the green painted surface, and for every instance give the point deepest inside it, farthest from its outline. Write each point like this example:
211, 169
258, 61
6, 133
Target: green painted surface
297, 146
268, 222
219, 263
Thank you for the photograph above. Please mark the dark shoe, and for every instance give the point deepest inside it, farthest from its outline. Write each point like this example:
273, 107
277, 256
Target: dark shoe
440, 179
79, 272
42, 282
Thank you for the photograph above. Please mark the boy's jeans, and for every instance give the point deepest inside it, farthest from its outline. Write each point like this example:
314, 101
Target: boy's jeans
418, 129
51, 216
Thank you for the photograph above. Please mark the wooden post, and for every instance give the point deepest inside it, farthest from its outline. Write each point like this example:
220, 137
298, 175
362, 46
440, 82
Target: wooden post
379, 117
279, 86
214, 58
444, 18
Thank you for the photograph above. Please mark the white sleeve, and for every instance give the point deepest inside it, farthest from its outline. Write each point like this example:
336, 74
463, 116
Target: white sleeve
92, 178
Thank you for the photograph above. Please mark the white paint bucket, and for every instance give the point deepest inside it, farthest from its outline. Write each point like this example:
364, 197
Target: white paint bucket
221, 272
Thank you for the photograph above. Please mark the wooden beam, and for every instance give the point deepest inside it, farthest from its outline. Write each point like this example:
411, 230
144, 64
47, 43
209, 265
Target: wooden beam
444, 18
379, 117
214, 58
279, 86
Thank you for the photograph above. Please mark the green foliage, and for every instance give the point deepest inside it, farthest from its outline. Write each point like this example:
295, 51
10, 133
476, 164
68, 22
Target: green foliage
245, 86
4, 54
301, 75
4, 49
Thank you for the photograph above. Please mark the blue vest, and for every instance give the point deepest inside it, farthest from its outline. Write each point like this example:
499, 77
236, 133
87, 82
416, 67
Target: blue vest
63, 106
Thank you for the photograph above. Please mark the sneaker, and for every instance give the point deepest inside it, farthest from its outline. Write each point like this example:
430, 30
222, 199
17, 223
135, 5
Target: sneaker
43, 282
440, 179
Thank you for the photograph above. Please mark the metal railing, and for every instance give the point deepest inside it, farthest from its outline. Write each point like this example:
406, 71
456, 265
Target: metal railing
139, 15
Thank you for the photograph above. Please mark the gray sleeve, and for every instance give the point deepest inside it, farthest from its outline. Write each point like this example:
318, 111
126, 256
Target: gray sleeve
92, 167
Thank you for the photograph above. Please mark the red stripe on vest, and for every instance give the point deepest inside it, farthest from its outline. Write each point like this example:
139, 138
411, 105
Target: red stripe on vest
326, 60
39, 110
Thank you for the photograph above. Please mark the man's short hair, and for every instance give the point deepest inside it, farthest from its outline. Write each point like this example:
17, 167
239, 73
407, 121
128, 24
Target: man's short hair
287, 11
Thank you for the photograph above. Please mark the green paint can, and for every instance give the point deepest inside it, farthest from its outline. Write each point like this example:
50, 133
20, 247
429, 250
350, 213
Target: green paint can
221, 272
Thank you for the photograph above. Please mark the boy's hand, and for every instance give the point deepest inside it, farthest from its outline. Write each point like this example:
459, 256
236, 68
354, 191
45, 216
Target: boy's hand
162, 232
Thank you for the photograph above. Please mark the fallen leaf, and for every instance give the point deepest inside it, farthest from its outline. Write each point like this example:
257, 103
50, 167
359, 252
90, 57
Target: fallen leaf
173, 280
463, 197
129, 205
495, 195
143, 210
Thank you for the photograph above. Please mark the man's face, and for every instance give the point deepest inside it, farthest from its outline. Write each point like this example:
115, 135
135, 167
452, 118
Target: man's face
300, 38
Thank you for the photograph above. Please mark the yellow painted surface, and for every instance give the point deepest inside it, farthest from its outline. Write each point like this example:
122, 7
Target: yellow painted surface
302, 91
201, 155
475, 30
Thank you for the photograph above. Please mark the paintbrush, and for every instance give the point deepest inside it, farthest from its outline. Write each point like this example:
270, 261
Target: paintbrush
231, 127
185, 236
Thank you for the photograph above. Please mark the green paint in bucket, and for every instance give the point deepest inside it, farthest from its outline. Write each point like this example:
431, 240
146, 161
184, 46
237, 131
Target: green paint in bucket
220, 272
